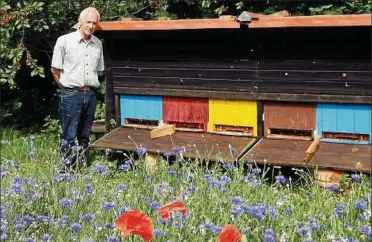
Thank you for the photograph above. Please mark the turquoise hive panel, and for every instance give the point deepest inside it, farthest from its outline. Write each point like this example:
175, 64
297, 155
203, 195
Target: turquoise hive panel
140, 107
344, 118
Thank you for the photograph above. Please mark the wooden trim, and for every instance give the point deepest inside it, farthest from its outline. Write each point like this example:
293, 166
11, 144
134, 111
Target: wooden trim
232, 23
223, 23
260, 119
246, 96
313, 21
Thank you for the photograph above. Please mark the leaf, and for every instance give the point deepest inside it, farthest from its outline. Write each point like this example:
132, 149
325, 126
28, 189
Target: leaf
244, 238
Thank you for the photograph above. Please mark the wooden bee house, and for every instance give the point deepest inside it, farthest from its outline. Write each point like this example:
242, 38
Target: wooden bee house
264, 86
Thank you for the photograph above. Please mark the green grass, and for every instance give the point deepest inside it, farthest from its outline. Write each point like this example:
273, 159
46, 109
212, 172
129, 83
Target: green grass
31, 187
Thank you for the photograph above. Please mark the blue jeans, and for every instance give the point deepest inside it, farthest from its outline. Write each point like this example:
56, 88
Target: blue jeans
76, 113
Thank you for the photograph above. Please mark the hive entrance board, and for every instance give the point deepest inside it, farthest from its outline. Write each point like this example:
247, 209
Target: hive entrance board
290, 134
346, 136
198, 145
292, 152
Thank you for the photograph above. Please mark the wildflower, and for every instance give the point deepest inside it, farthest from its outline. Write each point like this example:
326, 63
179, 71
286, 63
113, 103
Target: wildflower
333, 187
46, 237
273, 212
88, 217
124, 167
236, 211
99, 169
112, 239
28, 219
280, 179
154, 205
288, 211
75, 227
109, 226
171, 172
247, 230
355, 177
4, 171
141, 151
137, 223
361, 205
303, 231
158, 233
88, 188
269, 235
313, 224
5, 142
165, 210
29, 240
229, 234
148, 178
65, 203
340, 210
237, 200
108, 206
256, 171
366, 231
31, 154
20, 225
122, 210
216, 229
122, 187
77, 148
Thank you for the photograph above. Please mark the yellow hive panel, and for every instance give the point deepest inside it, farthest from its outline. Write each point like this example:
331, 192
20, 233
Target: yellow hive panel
232, 112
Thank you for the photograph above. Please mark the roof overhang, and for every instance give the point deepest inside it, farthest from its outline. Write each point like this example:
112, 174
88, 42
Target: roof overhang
234, 23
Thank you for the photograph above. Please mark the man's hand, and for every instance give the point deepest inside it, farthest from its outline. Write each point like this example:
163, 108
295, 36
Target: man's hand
56, 74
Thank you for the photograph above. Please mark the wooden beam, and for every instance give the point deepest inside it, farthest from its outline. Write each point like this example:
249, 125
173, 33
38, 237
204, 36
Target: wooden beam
231, 23
314, 146
245, 95
223, 23
313, 21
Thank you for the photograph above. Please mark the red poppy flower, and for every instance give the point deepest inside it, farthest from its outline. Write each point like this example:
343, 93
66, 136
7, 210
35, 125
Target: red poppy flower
135, 222
165, 210
229, 234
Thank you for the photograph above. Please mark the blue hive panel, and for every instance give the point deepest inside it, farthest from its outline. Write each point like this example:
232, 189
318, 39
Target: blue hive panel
140, 107
353, 119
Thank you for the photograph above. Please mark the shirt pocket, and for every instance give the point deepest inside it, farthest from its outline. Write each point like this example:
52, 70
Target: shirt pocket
95, 55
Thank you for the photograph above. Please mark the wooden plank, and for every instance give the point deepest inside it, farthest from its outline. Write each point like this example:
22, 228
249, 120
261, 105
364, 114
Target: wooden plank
162, 130
236, 95
198, 145
313, 21
111, 116
169, 24
231, 23
330, 155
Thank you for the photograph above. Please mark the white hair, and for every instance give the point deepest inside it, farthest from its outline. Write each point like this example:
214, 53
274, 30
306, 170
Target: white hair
88, 10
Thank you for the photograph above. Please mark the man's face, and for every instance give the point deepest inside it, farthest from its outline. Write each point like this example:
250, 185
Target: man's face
88, 24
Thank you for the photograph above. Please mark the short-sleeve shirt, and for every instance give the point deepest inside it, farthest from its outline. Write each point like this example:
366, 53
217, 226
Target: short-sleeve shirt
78, 60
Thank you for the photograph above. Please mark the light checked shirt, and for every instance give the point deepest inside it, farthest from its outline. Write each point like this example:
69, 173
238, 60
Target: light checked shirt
78, 60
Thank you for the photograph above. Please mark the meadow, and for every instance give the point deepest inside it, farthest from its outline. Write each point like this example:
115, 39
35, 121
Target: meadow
40, 204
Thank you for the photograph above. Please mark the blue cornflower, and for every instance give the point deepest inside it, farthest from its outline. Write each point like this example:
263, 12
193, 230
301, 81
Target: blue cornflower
88, 217
313, 224
167, 154
303, 231
75, 227
124, 167
20, 225
366, 230
171, 172
99, 169
109, 226
178, 149
333, 187
29, 240
340, 210
247, 230
226, 165
237, 200
88, 188
5, 142
236, 211
4, 171
28, 219
62, 177
148, 178
158, 233
77, 148
108, 206
112, 239
31, 154
141, 151
154, 205
361, 205
233, 151
122, 210
280, 179
3, 234
273, 212
256, 171
122, 187
355, 177
269, 235
216, 229
61, 222
288, 211
65, 203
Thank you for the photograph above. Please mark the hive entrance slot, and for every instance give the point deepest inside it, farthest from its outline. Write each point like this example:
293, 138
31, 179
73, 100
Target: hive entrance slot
233, 128
187, 125
346, 136
141, 122
290, 134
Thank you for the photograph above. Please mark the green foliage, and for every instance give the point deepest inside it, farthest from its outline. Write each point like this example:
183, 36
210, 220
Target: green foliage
51, 126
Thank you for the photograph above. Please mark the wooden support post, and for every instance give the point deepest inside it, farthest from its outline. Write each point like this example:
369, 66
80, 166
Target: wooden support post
310, 152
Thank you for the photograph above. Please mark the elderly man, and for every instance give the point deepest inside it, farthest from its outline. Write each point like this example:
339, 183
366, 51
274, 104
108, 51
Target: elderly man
77, 58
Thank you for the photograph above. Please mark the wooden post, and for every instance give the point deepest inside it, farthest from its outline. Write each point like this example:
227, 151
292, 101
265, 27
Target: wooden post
314, 146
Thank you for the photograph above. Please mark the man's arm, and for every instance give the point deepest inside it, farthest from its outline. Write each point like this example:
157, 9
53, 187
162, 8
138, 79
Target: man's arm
56, 74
